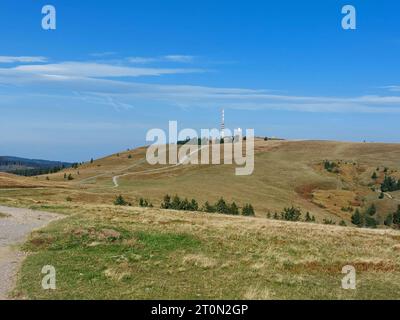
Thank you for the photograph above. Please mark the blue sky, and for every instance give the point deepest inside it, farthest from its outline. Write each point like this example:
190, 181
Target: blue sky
112, 70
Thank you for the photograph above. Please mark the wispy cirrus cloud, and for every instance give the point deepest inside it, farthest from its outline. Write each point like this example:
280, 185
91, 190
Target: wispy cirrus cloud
22, 59
103, 54
141, 60
107, 83
177, 58
66, 70
393, 88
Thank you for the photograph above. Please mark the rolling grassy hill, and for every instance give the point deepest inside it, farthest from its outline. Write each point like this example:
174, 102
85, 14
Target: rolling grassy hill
110, 252
106, 251
23, 166
286, 173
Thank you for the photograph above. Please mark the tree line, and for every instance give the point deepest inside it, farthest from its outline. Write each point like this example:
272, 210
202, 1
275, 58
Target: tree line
36, 171
221, 206
390, 184
184, 204
368, 219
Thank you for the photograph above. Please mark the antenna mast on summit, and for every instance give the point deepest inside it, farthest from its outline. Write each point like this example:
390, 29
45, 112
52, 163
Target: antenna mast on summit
223, 124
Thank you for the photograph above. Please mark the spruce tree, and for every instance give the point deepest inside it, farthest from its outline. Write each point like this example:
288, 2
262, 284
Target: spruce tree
194, 206
176, 203
371, 210
291, 214
308, 217
120, 201
248, 210
166, 204
221, 206
370, 222
388, 220
234, 210
357, 218
207, 207
396, 217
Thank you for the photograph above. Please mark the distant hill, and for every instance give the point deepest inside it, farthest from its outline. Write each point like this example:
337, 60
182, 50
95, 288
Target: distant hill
30, 167
328, 179
287, 173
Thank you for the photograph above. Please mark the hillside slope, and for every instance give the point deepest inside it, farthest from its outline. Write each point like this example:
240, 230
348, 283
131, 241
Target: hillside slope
286, 173
109, 252
10, 164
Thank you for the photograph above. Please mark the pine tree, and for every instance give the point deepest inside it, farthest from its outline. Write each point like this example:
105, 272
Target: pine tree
389, 184
357, 218
166, 204
120, 201
371, 210
184, 205
221, 206
308, 217
396, 217
291, 214
234, 210
176, 203
208, 207
388, 220
144, 203
248, 210
370, 222
374, 176
194, 205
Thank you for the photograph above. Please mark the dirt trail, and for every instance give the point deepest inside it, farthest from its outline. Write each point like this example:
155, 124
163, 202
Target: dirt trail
15, 225
171, 167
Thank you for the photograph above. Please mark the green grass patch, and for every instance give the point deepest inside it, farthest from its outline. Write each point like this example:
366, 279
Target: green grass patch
110, 253
167, 241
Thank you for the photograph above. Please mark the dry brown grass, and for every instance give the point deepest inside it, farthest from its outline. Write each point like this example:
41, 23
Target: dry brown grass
12, 181
286, 173
199, 260
219, 257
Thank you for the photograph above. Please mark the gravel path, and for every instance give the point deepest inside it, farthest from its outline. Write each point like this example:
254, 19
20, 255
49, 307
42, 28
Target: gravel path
163, 169
15, 225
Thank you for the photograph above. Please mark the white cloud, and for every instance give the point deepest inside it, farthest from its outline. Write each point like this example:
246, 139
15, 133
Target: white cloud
168, 58
103, 54
22, 59
141, 60
66, 70
392, 88
179, 58
94, 82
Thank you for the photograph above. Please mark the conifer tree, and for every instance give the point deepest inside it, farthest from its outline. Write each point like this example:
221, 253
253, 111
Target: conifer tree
357, 218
